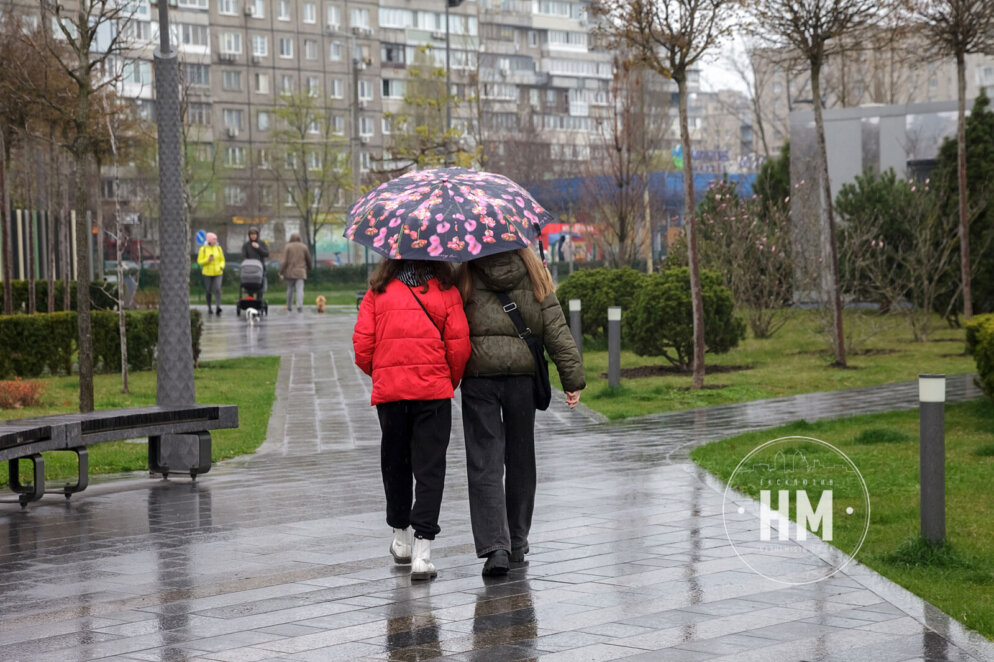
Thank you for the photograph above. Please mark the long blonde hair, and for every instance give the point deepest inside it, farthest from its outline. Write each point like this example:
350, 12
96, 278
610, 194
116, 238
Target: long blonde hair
542, 284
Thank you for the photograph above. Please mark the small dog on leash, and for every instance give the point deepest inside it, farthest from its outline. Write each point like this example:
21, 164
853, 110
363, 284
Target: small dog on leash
251, 315
320, 301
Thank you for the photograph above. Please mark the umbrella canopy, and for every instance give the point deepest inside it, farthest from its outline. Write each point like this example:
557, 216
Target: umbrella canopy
446, 214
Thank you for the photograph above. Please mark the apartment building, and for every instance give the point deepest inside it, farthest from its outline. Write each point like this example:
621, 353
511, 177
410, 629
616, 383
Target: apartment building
536, 90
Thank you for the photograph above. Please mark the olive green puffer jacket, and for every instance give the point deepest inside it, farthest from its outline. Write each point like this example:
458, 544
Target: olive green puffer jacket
497, 349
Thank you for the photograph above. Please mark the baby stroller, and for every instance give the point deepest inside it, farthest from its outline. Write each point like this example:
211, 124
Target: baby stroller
252, 288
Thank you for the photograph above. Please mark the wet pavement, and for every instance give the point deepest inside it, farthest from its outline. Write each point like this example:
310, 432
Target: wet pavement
283, 555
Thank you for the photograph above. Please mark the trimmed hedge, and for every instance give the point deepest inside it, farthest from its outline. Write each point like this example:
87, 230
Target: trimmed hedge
598, 289
30, 345
980, 344
103, 295
661, 322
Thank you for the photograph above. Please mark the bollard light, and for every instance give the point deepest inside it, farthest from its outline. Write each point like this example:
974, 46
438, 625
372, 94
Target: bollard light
932, 456
614, 346
931, 388
576, 325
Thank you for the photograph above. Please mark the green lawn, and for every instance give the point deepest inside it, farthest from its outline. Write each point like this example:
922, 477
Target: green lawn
795, 360
249, 383
959, 579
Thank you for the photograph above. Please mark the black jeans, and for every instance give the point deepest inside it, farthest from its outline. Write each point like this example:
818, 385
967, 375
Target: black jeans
415, 438
498, 418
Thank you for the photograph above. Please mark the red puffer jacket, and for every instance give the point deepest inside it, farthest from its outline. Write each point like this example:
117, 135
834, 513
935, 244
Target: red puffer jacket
398, 345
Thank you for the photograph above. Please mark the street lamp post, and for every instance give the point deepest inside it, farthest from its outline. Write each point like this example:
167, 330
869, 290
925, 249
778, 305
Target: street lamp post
174, 379
448, 80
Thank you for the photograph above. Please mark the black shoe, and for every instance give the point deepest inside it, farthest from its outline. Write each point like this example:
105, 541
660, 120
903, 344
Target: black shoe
518, 555
218, 311
498, 563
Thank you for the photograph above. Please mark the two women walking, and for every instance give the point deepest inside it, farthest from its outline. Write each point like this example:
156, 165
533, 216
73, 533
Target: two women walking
417, 337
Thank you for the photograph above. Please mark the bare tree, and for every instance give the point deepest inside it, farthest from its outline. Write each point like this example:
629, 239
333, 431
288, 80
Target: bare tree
616, 182
957, 28
670, 37
813, 29
310, 161
93, 35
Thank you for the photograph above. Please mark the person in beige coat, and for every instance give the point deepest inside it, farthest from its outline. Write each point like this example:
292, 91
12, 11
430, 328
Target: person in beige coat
296, 263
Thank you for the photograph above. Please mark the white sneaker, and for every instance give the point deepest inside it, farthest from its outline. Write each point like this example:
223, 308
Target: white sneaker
421, 566
400, 547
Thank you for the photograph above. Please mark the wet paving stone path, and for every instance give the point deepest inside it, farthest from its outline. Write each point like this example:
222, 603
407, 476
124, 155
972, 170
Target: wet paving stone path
283, 555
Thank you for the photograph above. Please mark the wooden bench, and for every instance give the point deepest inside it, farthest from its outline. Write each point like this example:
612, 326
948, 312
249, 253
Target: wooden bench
168, 429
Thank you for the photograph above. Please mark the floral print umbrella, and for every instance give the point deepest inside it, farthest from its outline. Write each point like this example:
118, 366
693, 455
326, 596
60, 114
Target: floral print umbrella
446, 214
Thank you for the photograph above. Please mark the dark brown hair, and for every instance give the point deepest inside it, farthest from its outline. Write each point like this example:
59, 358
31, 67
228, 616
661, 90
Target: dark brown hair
387, 270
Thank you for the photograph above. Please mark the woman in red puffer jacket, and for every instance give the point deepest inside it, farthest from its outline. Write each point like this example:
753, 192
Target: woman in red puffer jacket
413, 338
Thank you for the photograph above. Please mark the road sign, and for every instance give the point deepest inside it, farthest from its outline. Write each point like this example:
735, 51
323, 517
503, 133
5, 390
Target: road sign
201, 237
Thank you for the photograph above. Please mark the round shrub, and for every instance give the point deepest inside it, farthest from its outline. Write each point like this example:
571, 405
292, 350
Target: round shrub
660, 322
597, 290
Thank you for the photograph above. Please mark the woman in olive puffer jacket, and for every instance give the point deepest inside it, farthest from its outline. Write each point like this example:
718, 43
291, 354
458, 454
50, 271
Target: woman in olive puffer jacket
498, 407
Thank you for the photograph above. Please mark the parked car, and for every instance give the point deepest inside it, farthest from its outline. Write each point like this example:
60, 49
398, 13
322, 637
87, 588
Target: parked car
110, 269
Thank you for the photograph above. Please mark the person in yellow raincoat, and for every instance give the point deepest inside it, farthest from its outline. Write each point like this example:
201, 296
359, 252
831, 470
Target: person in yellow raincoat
211, 261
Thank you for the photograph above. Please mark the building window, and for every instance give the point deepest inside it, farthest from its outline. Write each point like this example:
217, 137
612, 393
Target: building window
310, 49
266, 194
233, 118
231, 81
286, 84
338, 124
227, 7
393, 88
137, 72
283, 10
564, 39
360, 18
286, 47
533, 38
260, 45
313, 161
262, 158
235, 157
312, 86
192, 4
234, 195
392, 54
258, 8
365, 90
231, 42
336, 90
262, 120
334, 17
309, 12
198, 113
396, 18
335, 52
364, 161
196, 74
262, 83
193, 35
385, 125
366, 126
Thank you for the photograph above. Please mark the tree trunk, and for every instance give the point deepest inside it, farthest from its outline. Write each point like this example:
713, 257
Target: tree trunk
30, 216
5, 227
50, 177
964, 220
66, 242
828, 226
81, 154
690, 222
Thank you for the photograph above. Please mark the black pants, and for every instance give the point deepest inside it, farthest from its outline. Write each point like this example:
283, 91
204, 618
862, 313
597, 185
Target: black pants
415, 438
498, 418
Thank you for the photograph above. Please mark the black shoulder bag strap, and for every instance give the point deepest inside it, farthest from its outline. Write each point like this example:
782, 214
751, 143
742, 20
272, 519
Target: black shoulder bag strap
430, 318
542, 392
512, 311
